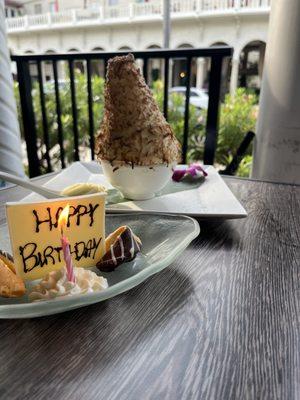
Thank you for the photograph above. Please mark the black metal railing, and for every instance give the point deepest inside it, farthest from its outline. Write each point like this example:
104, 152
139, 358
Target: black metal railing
216, 55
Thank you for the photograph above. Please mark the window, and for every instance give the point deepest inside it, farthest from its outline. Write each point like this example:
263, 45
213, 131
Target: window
10, 12
38, 8
94, 4
113, 2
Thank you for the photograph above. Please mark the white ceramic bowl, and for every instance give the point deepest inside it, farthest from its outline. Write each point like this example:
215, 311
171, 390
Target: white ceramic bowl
138, 183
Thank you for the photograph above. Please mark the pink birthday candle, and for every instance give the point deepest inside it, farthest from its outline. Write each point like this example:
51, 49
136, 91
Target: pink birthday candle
68, 259
65, 244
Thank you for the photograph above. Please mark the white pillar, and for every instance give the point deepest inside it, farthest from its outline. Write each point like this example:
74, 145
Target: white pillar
166, 23
10, 141
234, 77
200, 72
277, 146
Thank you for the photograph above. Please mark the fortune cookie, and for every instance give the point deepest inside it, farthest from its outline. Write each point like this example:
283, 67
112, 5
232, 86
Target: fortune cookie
120, 246
11, 285
8, 260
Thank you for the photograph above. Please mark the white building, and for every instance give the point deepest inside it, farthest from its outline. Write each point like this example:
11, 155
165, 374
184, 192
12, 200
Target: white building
61, 26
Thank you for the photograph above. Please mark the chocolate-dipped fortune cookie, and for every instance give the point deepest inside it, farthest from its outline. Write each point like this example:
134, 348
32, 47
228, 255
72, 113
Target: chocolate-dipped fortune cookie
11, 285
120, 246
8, 260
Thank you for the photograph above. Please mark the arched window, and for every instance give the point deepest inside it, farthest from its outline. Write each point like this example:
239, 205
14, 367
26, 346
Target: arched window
251, 65
226, 71
98, 49
48, 67
97, 66
155, 66
180, 69
78, 64
123, 48
32, 66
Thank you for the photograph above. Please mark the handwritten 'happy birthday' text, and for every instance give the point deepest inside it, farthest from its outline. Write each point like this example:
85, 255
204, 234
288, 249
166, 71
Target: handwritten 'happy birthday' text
51, 255
76, 214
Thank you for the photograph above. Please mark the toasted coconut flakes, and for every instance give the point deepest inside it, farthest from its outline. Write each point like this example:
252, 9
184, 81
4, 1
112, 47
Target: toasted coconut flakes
133, 130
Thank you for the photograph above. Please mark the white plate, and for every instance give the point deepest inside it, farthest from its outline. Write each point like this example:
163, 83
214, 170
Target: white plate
211, 199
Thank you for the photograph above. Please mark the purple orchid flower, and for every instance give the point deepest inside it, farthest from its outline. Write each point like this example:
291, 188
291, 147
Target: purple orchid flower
194, 170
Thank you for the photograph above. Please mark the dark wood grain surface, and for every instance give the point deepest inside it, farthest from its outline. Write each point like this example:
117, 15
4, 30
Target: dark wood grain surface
222, 322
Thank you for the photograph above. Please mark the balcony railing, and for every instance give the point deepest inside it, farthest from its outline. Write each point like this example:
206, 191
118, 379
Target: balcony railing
135, 12
215, 54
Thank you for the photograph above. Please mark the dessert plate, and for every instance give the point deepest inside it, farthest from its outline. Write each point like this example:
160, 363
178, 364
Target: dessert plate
164, 237
210, 198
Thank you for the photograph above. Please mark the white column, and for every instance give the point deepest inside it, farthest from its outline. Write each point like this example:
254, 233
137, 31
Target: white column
200, 72
234, 77
277, 146
10, 141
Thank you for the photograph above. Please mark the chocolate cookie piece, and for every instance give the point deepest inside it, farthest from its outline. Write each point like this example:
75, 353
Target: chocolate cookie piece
120, 246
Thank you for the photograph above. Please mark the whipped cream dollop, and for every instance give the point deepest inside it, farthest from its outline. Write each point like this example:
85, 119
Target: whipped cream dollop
56, 284
79, 189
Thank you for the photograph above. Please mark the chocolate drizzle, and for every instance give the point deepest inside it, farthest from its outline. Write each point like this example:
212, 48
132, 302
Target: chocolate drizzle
120, 246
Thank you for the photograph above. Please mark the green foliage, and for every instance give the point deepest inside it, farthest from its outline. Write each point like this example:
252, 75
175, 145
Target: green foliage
176, 111
66, 115
238, 115
245, 167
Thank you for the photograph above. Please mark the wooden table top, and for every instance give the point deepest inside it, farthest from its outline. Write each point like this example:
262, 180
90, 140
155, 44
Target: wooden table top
222, 322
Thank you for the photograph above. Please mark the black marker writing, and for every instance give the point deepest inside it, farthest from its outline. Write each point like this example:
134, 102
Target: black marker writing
76, 214
52, 255
32, 259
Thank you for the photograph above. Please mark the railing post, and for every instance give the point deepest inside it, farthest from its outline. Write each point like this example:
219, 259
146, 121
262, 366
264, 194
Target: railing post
131, 11
213, 110
186, 110
234, 77
74, 110
166, 87
101, 13
28, 117
58, 113
90, 107
26, 21
44, 116
74, 17
49, 19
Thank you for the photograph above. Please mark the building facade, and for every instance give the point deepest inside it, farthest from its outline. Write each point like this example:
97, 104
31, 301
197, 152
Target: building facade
60, 26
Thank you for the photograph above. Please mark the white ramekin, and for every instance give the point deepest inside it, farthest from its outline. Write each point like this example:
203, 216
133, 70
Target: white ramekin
138, 182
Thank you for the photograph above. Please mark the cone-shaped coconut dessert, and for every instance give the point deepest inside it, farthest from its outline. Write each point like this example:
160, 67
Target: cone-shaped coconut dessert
133, 129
